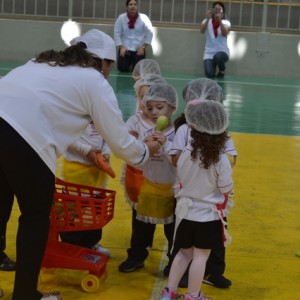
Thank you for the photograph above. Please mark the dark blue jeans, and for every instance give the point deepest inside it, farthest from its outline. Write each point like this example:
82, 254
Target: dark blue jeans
210, 65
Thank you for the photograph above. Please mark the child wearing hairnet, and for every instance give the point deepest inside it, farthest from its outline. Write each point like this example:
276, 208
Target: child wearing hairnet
202, 88
205, 175
132, 178
144, 67
156, 201
137, 125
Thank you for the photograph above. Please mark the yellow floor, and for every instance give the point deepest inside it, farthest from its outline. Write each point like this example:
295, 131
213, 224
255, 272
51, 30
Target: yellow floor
264, 224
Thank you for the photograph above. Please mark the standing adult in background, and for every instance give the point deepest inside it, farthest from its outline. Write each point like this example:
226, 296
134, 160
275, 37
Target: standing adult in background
216, 29
133, 32
45, 106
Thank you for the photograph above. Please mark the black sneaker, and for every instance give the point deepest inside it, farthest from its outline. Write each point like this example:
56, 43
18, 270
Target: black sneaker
130, 265
218, 281
220, 75
7, 264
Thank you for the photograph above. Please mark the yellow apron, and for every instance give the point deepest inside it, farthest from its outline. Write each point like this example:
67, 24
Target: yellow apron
156, 202
83, 174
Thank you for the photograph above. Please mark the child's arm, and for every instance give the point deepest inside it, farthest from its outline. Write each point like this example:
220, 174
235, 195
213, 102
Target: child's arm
174, 158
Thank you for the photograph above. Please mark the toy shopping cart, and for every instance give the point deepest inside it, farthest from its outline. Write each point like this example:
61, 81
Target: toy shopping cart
75, 208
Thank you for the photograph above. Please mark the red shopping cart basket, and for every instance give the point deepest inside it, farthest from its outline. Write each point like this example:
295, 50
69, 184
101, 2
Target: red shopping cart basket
75, 208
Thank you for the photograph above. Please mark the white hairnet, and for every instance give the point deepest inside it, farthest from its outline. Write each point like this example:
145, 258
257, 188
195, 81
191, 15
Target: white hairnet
162, 92
203, 88
206, 116
148, 80
144, 67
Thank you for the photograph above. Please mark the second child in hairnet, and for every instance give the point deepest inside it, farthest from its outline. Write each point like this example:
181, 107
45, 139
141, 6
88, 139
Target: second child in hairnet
205, 174
156, 200
137, 125
203, 88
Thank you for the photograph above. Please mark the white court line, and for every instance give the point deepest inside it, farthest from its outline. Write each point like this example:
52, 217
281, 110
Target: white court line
161, 281
223, 81
189, 79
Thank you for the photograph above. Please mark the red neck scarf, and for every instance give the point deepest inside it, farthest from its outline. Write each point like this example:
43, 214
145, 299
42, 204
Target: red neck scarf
215, 25
132, 20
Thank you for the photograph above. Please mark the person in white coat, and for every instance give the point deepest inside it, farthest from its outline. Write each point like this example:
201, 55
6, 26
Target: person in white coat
133, 32
46, 104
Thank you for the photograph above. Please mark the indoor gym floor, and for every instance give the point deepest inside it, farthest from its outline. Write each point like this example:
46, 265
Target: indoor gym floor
264, 223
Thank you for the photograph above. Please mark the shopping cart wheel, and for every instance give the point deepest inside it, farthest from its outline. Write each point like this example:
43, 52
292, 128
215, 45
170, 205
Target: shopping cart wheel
90, 283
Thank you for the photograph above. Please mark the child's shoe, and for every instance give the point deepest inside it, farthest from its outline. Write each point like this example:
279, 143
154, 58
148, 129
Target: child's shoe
1, 292
51, 296
218, 281
167, 295
130, 265
187, 296
101, 249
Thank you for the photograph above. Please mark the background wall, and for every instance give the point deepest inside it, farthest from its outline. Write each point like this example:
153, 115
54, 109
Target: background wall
181, 50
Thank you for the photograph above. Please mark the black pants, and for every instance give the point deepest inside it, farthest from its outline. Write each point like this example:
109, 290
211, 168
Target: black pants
5, 211
127, 63
24, 174
142, 237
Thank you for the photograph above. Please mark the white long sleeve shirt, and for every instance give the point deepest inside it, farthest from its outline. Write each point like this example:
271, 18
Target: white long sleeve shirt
50, 107
134, 38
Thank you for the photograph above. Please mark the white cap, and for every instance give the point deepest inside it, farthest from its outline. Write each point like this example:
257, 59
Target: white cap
206, 116
98, 43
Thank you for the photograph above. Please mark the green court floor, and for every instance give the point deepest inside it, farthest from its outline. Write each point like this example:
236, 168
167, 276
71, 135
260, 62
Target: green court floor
264, 223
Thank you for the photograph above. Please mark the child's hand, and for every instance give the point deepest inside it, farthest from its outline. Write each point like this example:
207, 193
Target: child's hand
92, 155
158, 136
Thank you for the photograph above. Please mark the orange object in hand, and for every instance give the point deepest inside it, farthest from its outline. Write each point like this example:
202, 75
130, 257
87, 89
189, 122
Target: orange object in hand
105, 166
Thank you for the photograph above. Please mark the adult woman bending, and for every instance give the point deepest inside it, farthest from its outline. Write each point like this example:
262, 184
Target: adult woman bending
133, 32
216, 52
45, 106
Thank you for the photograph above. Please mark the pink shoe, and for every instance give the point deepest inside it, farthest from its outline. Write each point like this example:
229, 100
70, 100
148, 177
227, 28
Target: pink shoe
167, 295
200, 297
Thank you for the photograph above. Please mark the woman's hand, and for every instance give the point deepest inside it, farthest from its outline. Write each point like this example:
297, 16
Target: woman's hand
140, 51
209, 13
153, 146
122, 51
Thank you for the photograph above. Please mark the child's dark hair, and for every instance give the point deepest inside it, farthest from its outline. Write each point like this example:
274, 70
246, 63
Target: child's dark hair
71, 56
207, 147
180, 120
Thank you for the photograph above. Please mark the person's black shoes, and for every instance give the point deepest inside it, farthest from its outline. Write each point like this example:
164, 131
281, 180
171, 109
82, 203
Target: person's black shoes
7, 264
130, 265
218, 281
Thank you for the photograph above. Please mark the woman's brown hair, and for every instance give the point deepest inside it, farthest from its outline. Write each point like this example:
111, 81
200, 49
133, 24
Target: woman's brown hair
71, 56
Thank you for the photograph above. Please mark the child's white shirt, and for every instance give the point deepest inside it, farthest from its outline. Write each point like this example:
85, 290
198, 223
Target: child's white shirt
201, 189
